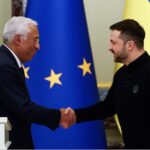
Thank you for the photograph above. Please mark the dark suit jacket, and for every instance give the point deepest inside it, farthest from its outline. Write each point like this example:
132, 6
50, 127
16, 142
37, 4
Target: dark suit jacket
15, 103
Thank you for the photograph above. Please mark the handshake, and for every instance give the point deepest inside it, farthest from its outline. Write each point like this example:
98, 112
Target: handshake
68, 117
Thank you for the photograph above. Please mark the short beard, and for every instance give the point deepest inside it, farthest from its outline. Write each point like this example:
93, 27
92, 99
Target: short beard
121, 57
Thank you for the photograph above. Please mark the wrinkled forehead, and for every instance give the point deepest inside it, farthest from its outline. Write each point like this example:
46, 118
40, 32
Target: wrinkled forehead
33, 31
115, 37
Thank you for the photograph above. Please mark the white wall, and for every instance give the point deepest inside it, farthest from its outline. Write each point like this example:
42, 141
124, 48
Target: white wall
5, 14
100, 15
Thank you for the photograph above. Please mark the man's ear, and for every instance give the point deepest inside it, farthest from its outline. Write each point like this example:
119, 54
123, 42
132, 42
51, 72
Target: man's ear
130, 45
17, 40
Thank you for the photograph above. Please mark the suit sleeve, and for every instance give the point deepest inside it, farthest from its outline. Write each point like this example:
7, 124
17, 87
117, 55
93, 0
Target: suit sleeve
97, 111
15, 99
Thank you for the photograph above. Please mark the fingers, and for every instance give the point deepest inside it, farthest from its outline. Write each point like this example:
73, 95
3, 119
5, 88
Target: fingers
68, 117
68, 110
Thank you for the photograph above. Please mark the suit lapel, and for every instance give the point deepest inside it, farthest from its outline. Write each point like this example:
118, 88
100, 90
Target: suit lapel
13, 62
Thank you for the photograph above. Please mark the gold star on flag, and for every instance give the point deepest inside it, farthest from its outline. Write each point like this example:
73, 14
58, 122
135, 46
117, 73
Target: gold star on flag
26, 71
54, 78
85, 67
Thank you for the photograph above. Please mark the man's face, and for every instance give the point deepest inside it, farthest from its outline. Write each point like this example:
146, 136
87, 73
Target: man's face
118, 47
28, 46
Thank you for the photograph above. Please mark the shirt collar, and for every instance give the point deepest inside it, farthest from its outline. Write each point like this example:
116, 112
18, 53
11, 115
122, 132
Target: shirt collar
15, 56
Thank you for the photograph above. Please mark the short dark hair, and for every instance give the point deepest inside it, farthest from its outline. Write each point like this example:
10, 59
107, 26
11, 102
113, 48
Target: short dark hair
130, 30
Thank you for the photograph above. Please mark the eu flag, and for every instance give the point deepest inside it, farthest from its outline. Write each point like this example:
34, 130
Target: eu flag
62, 72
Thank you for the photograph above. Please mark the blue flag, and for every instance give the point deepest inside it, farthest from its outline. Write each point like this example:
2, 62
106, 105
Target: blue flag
62, 73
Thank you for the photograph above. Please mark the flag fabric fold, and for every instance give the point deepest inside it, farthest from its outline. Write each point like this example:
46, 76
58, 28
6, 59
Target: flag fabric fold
62, 73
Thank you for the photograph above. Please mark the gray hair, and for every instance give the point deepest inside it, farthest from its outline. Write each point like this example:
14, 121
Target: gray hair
17, 26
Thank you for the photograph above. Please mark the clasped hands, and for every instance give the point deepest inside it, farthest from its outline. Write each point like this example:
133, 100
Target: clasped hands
68, 117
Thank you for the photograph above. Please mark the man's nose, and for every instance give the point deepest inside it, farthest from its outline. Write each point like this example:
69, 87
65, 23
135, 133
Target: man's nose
37, 45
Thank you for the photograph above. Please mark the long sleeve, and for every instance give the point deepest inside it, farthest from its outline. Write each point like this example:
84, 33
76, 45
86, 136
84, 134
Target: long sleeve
97, 111
15, 100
